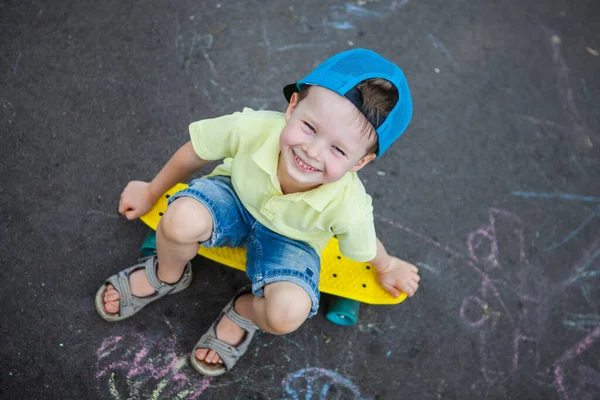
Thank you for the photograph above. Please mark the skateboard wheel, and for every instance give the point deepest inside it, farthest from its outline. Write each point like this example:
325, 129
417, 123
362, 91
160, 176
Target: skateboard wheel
342, 311
149, 245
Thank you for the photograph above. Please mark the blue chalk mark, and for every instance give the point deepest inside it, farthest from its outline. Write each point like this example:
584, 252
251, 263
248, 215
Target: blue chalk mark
581, 320
564, 196
304, 380
575, 232
344, 26
582, 269
18, 59
324, 391
586, 295
360, 11
389, 353
439, 45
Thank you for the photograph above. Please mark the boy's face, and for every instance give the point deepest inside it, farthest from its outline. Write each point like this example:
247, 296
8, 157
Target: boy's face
323, 140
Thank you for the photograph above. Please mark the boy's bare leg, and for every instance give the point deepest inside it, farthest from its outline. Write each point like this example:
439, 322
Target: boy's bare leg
185, 223
282, 310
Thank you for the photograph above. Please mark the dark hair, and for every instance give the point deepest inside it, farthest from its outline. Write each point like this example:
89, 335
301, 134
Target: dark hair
379, 98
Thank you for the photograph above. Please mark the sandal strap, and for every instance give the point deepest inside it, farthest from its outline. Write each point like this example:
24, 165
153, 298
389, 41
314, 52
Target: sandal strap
228, 353
240, 321
129, 304
124, 290
151, 270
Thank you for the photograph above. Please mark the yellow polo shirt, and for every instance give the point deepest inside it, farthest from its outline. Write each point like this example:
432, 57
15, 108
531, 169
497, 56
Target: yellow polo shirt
248, 141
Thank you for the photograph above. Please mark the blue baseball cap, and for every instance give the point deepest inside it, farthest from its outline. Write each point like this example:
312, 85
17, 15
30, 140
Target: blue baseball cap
342, 72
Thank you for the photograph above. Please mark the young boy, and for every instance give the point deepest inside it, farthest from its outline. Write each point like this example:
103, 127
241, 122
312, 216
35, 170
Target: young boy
287, 185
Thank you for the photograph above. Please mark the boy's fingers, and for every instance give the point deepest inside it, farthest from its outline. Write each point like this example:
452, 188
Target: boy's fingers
414, 269
123, 206
392, 290
130, 214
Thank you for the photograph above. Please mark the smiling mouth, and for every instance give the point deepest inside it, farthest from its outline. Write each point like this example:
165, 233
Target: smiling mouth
302, 165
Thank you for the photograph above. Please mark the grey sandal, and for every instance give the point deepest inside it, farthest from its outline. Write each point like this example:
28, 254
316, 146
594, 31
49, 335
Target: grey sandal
228, 353
130, 304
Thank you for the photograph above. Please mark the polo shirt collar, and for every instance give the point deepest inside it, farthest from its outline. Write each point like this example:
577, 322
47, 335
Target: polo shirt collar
267, 157
320, 197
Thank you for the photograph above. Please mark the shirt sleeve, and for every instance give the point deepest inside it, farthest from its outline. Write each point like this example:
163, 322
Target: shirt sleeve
216, 138
358, 241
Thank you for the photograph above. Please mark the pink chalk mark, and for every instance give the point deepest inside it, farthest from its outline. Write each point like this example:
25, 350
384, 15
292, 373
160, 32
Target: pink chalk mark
572, 353
493, 256
516, 340
161, 373
180, 376
581, 346
479, 303
203, 386
112, 366
108, 342
560, 384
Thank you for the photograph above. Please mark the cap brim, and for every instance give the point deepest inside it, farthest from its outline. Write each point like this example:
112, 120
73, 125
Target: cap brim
289, 90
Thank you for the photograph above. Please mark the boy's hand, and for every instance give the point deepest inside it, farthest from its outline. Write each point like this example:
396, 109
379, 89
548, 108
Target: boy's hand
136, 200
399, 276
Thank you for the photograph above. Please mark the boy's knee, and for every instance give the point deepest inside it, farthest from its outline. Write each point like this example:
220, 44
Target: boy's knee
287, 306
186, 220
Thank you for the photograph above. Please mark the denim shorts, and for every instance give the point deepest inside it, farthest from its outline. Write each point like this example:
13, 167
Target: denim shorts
271, 257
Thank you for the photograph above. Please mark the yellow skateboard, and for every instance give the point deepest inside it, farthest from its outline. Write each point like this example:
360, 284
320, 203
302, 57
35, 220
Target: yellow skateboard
351, 281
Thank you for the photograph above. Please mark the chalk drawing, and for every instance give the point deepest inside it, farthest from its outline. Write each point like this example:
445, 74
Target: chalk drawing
429, 268
571, 235
394, 5
578, 378
582, 270
309, 382
581, 321
19, 54
340, 17
504, 278
302, 46
134, 367
439, 45
564, 196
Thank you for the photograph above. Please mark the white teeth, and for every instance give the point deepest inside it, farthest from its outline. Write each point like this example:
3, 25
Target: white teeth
303, 164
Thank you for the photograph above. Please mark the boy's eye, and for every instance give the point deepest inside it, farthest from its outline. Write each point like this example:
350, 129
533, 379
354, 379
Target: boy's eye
339, 150
309, 126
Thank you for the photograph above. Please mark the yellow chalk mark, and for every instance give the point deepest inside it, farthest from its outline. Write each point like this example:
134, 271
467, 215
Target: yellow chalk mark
159, 388
112, 387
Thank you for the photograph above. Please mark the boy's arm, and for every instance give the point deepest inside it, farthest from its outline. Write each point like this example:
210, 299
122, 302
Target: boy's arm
394, 274
138, 197
182, 164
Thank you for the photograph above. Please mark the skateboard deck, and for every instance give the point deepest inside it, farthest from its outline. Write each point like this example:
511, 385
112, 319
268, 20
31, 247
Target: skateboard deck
340, 276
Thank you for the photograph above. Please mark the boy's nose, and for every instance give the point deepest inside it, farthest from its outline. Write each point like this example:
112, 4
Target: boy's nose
313, 150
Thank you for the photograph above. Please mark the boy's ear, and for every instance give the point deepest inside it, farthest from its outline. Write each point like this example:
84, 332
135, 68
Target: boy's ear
363, 161
292, 106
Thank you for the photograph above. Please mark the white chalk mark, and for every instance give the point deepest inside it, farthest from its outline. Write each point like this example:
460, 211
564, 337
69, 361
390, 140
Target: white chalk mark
101, 214
429, 268
544, 122
211, 65
398, 4
266, 40
302, 46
